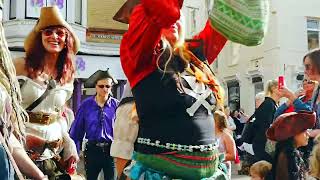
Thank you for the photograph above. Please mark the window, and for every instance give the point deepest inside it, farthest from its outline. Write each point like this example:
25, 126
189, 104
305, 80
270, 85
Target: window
33, 7
233, 94
78, 11
13, 5
258, 87
191, 20
313, 29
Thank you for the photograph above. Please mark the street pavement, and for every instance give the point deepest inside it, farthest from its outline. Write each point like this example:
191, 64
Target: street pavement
235, 176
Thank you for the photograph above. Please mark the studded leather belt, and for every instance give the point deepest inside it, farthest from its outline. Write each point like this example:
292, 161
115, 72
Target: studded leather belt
42, 118
99, 144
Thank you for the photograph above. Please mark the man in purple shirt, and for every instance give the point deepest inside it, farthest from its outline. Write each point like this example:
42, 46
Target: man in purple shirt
95, 119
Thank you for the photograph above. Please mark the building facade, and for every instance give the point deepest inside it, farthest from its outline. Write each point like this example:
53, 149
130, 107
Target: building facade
100, 36
294, 29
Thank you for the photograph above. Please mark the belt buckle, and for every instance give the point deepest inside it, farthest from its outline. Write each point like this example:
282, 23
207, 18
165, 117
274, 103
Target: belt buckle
102, 144
38, 115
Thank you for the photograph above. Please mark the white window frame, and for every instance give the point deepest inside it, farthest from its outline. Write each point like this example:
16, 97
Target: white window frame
192, 14
313, 29
78, 20
13, 10
34, 14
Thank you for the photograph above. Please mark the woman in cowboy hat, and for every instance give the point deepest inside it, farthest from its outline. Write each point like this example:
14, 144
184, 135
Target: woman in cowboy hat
47, 74
175, 92
290, 132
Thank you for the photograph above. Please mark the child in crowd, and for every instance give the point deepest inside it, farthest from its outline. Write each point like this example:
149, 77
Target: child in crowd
226, 144
259, 170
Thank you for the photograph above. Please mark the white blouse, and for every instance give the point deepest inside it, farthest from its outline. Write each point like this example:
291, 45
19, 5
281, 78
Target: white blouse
125, 132
53, 103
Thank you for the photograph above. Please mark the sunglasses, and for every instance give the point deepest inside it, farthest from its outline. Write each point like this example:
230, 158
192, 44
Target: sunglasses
58, 31
307, 66
106, 86
308, 81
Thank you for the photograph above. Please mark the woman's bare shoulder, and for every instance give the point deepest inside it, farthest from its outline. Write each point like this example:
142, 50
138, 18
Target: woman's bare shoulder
20, 65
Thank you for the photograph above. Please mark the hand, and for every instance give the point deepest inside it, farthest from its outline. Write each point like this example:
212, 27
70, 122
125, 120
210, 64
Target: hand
300, 92
314, 133
71, 165
285, 92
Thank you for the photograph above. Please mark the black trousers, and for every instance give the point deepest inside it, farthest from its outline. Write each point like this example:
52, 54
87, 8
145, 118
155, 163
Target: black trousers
260, 152
98, 158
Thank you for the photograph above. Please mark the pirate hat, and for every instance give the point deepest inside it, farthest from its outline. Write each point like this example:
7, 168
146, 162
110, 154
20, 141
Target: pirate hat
290, 124
98, 75
49, 16
124, 12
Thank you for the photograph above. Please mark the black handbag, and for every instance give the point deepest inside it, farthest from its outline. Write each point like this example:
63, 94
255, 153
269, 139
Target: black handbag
247, 134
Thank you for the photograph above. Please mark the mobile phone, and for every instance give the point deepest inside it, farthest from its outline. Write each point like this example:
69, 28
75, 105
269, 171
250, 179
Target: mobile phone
280, 82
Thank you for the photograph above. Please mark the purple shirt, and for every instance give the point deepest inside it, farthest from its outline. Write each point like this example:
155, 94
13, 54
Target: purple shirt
94, 121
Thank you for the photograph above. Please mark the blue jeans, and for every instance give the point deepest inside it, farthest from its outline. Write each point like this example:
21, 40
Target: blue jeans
6, 168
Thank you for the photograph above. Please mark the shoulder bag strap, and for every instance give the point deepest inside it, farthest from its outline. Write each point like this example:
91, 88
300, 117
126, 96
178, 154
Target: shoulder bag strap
51, 85
315, 98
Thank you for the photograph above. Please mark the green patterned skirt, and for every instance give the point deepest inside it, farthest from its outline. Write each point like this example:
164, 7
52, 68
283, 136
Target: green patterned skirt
183, 165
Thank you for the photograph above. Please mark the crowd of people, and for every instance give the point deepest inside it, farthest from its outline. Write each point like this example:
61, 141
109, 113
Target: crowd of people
282, 136
171, 122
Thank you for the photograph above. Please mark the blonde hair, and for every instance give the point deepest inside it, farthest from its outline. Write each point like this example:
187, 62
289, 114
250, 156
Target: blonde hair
179, 44
315, 160
261, 168
270, 85
220, 120
180, 49
10, 83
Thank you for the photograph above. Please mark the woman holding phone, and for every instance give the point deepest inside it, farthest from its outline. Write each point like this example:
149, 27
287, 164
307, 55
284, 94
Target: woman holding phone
311, 62
298, 101
264, 115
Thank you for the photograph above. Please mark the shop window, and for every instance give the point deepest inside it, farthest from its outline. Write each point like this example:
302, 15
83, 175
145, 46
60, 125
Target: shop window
78, 11
313, 29
13, 9
191, 20
233, 95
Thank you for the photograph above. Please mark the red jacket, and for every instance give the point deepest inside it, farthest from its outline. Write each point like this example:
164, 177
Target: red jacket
137, 50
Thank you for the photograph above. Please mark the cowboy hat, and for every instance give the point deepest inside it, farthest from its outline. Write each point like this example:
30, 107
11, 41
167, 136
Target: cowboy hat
49, 16
290, 124
98, 75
